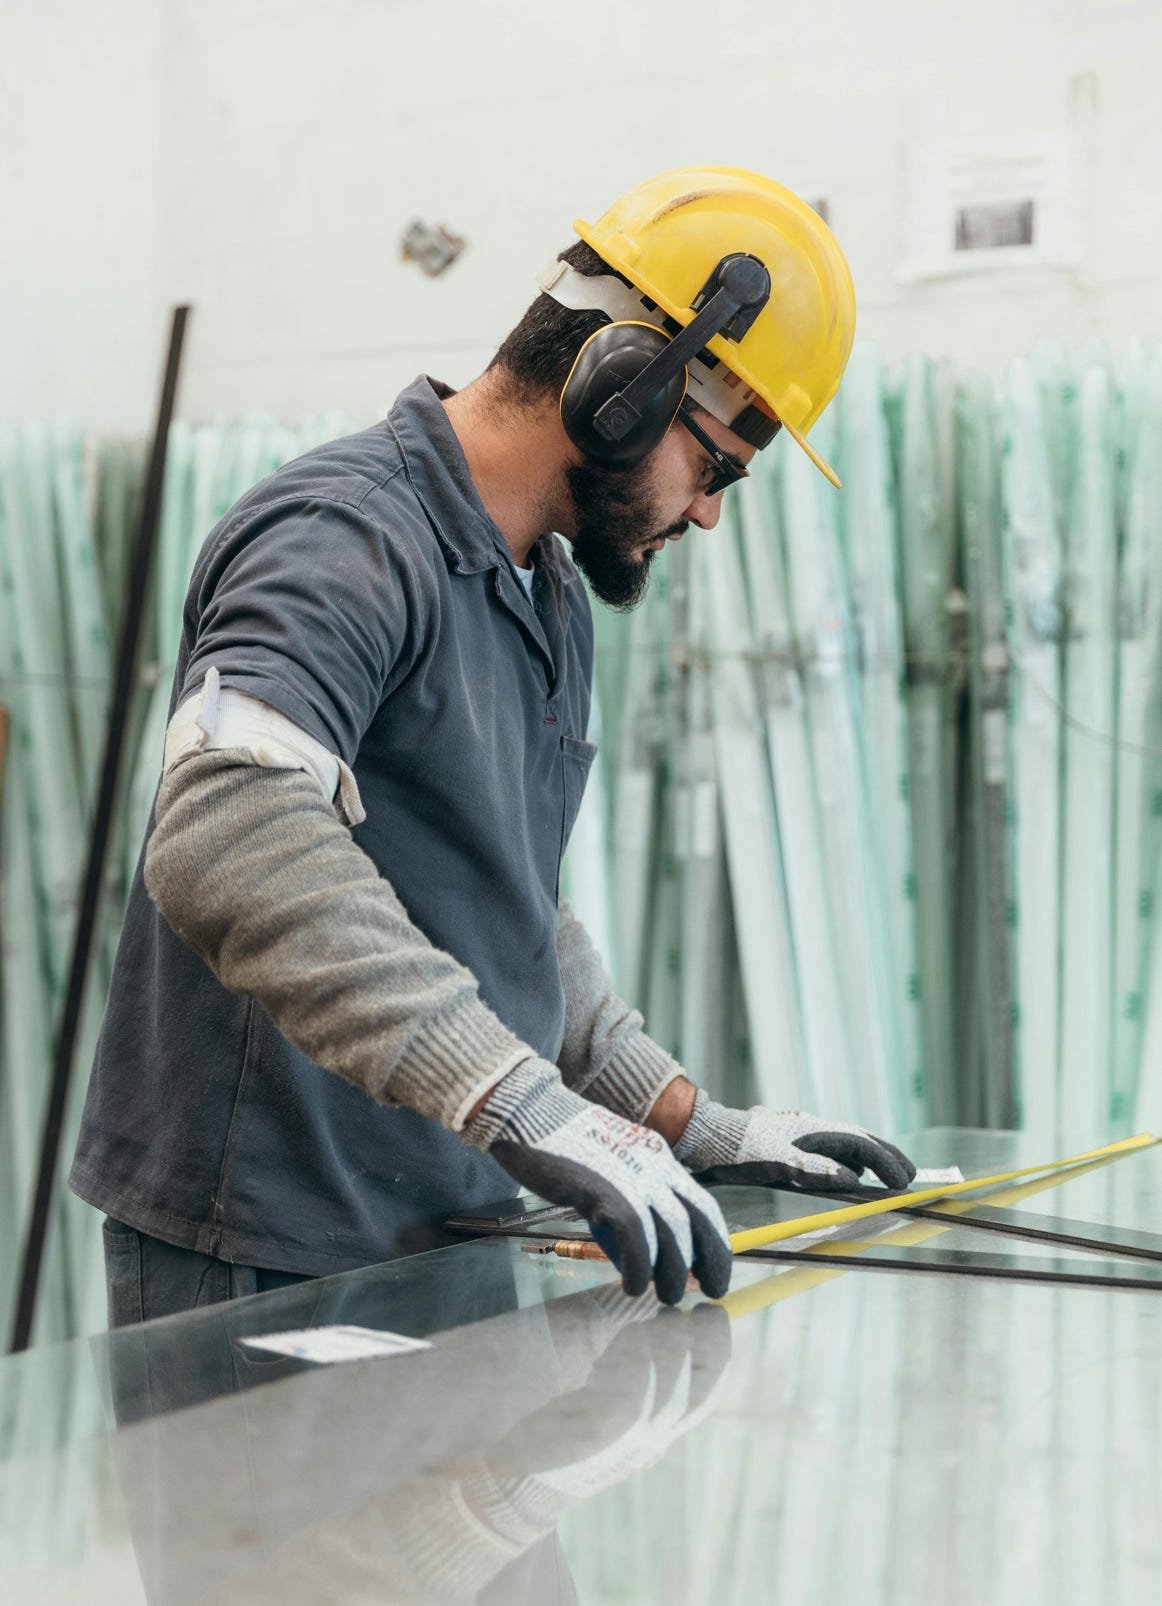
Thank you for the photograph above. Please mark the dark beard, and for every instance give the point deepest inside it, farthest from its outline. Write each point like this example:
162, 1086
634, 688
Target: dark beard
614, 513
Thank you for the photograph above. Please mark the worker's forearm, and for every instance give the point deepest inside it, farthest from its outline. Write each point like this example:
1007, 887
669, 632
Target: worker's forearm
606, 1054
672, 1109
253, 871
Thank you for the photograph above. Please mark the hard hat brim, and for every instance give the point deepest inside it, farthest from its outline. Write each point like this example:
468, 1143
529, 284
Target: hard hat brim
821, 463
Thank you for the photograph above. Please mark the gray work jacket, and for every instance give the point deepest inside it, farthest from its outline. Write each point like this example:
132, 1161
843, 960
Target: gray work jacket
363, 592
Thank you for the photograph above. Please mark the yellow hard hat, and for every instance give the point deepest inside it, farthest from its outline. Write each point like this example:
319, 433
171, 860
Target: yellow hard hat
666, 237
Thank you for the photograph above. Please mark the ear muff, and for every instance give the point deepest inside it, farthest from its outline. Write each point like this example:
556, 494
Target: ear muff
607, 364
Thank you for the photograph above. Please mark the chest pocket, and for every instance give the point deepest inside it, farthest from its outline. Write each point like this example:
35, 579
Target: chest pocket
576, 762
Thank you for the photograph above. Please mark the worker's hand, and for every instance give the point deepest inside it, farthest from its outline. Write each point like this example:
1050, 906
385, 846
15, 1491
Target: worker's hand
651, 1218
771, 1147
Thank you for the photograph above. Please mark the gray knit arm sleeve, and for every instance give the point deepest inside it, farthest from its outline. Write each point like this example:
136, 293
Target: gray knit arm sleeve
606, 1055
254, 872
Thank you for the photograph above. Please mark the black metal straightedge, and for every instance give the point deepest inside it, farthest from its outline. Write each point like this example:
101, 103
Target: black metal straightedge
961, 1263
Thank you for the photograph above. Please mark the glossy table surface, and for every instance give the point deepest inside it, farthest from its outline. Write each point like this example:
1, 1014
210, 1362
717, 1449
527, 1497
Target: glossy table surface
826, 1433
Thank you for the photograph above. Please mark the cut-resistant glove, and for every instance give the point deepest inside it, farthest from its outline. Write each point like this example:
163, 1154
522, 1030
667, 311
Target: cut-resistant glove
647, 1213
772, 1147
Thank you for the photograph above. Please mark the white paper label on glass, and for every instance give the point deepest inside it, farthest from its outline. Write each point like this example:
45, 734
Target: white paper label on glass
339, 1343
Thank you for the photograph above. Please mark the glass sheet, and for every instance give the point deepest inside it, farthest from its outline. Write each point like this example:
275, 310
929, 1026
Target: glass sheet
819, 1434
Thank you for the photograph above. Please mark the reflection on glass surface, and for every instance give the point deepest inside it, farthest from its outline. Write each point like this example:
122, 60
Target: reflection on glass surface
824, 1434
894, 1439
438, 1477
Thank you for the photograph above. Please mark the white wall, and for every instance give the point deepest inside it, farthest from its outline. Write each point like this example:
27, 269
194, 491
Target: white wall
297, 138
80, 327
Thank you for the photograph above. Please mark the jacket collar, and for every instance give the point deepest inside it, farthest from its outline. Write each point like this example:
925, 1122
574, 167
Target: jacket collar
438, 471
439, 475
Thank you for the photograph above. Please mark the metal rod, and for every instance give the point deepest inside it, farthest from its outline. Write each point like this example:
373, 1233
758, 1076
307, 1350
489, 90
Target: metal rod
951, 1263
1053, 1230
966, 1264
126, 672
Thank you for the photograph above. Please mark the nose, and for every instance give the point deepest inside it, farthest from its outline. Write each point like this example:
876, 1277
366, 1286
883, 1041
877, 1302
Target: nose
704, 511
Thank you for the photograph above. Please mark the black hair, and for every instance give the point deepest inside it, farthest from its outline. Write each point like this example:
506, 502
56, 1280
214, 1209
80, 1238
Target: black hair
539, 353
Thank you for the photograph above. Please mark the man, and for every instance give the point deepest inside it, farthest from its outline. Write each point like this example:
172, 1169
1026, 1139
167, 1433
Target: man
347, 1002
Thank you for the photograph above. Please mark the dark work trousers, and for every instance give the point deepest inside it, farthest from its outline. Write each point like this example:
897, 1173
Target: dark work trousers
166, 1366
146, 1278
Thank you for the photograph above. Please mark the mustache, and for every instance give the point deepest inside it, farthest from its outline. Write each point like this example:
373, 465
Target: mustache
674, 529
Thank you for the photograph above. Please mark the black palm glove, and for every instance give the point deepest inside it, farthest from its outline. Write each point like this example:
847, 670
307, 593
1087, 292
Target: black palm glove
772, 1147
648, 1214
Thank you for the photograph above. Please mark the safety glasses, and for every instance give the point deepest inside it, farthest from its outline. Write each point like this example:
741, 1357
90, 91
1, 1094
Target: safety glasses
728, 470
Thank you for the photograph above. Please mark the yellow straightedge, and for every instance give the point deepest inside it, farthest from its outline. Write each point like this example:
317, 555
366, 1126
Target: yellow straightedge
219, 717
778, 1231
